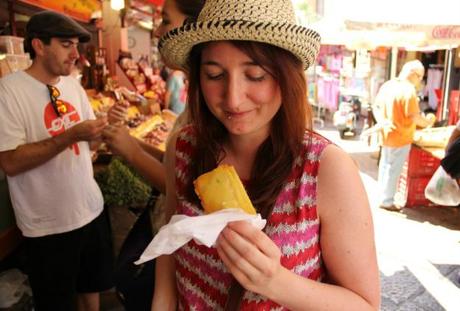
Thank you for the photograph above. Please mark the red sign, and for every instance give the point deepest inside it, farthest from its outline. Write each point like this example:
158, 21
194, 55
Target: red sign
156, 2
77, 9
446, 32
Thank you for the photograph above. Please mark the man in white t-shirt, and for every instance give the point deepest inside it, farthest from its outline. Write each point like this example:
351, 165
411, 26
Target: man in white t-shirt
47, 129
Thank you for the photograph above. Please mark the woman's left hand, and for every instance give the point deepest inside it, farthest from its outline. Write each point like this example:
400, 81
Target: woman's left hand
250, 255
120, 142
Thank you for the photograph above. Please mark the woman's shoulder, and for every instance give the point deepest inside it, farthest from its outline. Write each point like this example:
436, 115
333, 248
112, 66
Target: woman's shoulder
186, 137
315, 142
187, 130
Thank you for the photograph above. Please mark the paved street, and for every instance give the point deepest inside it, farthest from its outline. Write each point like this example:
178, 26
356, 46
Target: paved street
418, 249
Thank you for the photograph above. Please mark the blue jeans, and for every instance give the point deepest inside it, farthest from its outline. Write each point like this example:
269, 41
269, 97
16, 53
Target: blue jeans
391, 164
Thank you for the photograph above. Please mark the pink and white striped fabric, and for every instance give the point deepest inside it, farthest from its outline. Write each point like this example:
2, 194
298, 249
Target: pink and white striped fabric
203, 281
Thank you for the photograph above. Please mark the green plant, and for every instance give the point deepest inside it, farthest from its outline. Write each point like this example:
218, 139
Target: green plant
121, 185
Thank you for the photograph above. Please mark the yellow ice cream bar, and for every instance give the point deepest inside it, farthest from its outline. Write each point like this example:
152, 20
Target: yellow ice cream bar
222, 188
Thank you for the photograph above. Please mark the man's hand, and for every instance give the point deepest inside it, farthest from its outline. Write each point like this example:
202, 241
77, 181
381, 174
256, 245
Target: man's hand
88, 130
118, 112
431, 119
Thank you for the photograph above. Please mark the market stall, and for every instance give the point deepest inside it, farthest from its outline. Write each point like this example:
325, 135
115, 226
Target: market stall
135, 81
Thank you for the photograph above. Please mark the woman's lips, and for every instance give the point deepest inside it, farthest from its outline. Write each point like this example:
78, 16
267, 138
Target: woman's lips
235, 115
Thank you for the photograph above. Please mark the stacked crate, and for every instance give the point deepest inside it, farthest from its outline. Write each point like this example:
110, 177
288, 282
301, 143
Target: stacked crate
417, 172
12, 56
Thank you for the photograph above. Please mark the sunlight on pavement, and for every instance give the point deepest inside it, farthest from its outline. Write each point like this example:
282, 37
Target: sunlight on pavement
441, 288
419, 258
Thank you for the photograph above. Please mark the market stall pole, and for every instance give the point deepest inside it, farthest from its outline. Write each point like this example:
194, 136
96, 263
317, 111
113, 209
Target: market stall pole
446, 83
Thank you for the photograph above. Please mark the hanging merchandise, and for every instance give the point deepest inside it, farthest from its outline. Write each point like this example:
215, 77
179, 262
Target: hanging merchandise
433, 82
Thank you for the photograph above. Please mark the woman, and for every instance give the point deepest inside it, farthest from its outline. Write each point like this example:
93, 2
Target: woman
145, 158
248, 109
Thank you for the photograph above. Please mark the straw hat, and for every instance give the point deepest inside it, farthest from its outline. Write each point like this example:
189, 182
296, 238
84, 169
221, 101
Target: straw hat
268, 21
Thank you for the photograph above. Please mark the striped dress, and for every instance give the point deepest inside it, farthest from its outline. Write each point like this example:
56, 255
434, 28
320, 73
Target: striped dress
203, 282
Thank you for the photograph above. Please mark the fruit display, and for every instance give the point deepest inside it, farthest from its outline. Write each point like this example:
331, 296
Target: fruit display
143, 78
158, 135
142, 129
131, 69
100, 103
154, 129
136, 121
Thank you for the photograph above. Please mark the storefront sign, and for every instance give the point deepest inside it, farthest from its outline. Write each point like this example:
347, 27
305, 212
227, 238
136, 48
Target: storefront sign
78, 9
417, 35
446, 32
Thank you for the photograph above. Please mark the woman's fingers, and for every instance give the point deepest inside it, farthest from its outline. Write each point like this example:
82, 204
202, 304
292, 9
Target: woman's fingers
249, 254
238, 265
256, 237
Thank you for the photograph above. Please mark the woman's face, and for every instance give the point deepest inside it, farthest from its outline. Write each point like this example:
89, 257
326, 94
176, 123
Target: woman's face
239, 93
171, 18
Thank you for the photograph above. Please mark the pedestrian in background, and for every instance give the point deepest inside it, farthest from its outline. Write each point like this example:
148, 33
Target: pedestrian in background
47, 130
248, 108
397, 112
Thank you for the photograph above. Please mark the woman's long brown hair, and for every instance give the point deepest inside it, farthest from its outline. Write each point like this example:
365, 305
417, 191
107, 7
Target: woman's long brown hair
275, 157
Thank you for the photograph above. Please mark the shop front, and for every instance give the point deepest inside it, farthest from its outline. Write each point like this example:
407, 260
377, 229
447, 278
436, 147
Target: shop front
113, 67
389, 46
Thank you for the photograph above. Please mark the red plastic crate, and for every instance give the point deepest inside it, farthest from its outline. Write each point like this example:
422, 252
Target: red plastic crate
421, 163
411, 191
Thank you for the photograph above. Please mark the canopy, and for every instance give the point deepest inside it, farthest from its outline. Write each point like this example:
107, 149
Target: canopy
412, 24
369, 35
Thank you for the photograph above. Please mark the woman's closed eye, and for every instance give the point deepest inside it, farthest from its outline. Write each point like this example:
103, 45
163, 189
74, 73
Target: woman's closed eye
255, 73
214, 75
256, 78
221, 75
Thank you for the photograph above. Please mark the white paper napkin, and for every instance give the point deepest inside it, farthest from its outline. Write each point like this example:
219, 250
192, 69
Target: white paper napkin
203, 229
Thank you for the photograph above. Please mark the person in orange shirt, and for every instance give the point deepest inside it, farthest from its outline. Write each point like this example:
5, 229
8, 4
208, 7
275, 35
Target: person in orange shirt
397, 112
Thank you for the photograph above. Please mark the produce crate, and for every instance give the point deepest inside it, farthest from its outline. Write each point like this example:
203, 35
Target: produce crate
416, 174
411, 192
421, 163
11, 45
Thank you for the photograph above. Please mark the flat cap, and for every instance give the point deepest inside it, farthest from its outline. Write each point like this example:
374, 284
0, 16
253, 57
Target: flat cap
52, 24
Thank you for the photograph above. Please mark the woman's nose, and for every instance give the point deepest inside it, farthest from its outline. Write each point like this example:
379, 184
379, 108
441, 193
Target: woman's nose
233, 94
